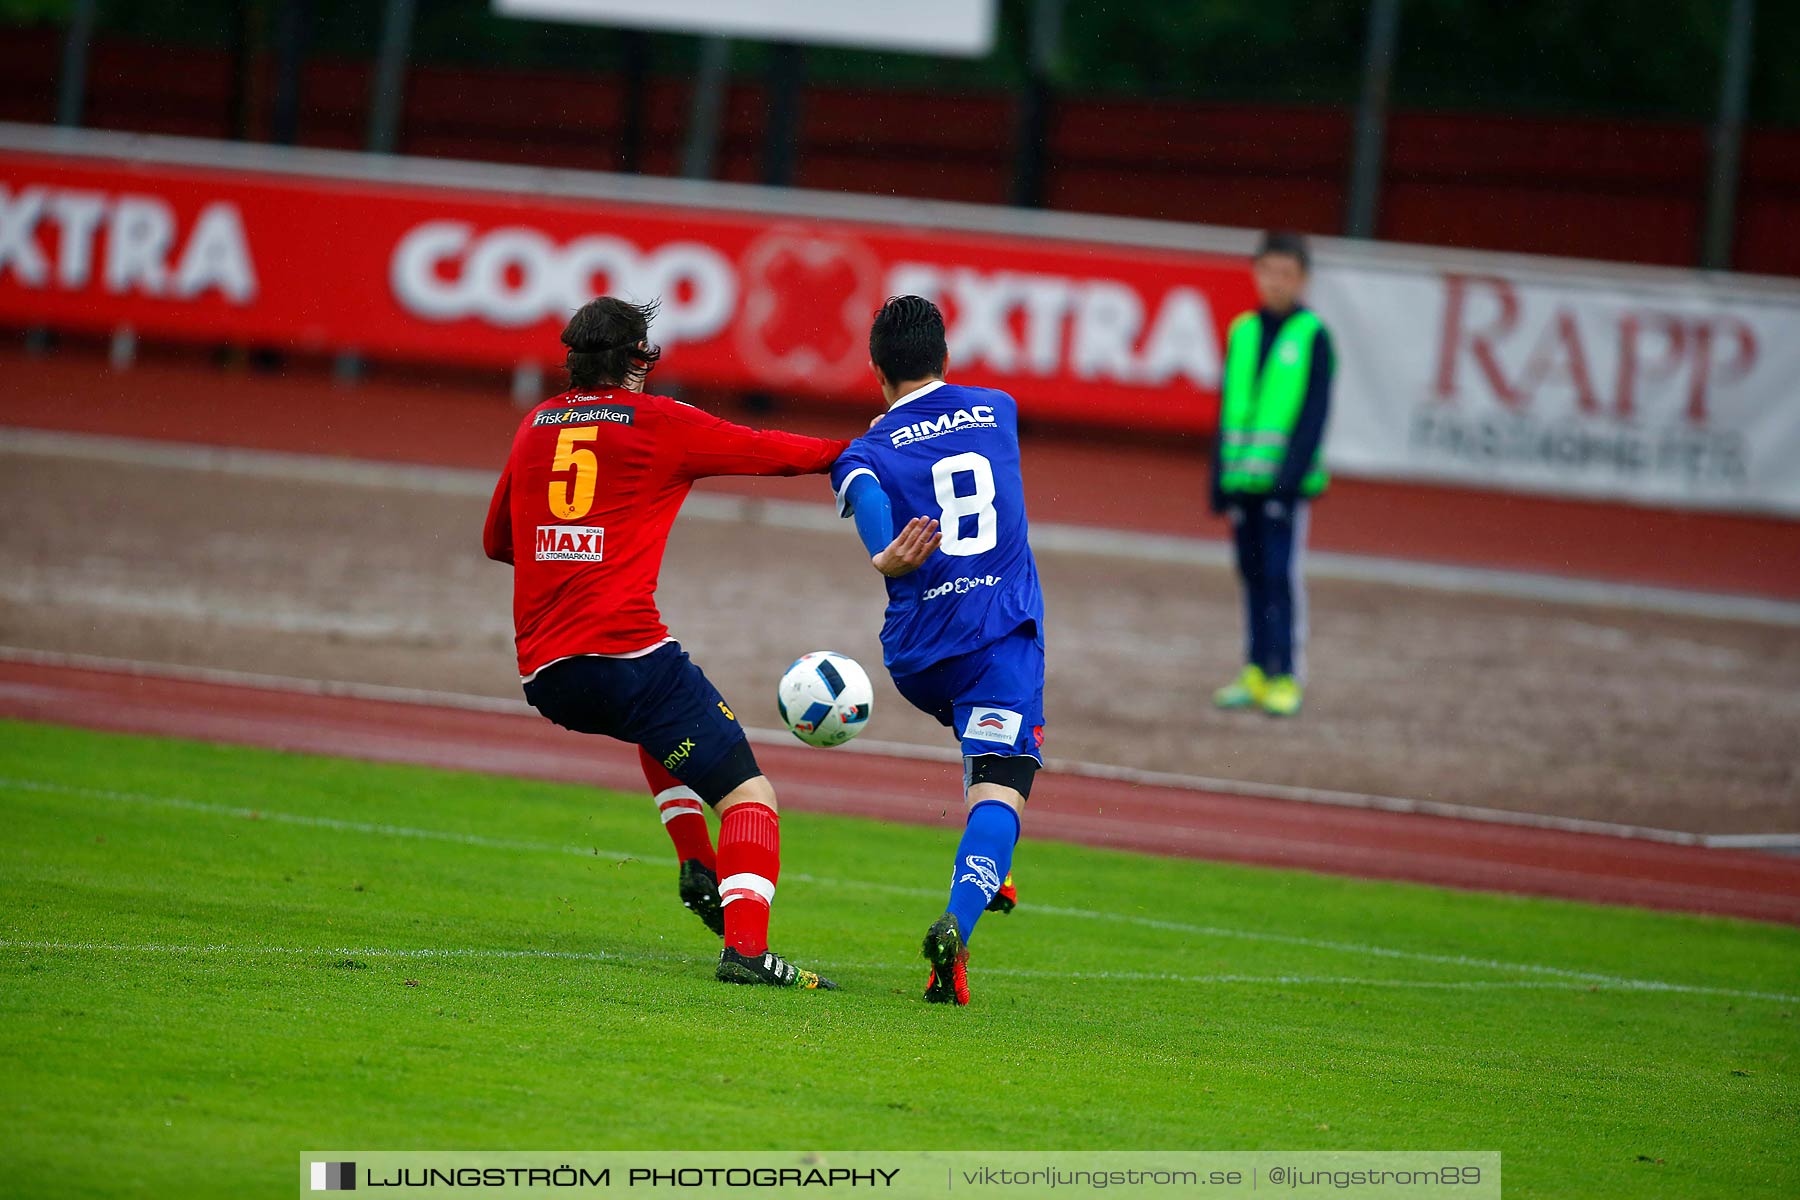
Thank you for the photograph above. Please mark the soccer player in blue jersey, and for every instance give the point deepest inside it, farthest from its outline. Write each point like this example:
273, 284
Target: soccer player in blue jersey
964, 634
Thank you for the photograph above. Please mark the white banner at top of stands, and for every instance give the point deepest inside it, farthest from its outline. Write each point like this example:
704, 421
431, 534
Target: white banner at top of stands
1653, 387
961, 27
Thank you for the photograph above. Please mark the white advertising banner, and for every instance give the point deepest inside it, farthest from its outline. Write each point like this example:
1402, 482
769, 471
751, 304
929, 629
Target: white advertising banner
960, 27
1659, 393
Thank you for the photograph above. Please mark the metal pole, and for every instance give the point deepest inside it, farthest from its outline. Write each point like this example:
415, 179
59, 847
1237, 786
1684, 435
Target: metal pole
633, 102
1728, 138
387, 95
71, 92
700, 155
786, 77
71, 97
293, 21
387, 106
1371, 118
1036, 102
245, 42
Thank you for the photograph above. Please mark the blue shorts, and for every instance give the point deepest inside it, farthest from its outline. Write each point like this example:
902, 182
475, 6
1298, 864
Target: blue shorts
662, 702
992, 697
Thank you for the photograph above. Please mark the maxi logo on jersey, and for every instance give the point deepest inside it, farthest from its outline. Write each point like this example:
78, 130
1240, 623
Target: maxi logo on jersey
570, 543
587, 414
979, 417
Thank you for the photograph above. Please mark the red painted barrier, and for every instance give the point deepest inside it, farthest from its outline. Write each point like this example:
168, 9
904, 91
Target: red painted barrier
1087, 333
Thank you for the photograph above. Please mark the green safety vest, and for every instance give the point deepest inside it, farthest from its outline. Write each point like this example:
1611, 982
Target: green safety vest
1258, 411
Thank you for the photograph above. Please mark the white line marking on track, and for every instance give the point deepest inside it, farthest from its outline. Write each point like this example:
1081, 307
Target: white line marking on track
1355, 949
1051, 537
186, 602
880, 749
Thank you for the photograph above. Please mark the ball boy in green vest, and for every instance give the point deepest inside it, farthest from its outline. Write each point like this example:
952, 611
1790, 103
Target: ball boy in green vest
1268, 467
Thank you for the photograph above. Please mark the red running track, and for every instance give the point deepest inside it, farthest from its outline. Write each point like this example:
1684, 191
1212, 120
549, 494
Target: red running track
1158, 487
1158, 820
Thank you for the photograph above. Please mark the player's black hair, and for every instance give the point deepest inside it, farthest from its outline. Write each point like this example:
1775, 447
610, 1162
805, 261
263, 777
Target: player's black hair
608, 341
907, 339
1282, 241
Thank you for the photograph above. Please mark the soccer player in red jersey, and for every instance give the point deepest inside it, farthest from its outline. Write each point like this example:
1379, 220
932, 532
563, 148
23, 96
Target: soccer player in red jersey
582, 512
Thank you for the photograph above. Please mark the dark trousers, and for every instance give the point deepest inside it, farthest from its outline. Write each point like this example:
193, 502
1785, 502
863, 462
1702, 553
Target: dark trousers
1271, 540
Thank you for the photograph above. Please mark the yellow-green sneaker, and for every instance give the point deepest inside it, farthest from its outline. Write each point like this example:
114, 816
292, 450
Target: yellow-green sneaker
1243, 692
1281, 697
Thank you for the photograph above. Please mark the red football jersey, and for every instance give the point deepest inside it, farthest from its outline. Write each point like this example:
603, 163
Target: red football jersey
583, 509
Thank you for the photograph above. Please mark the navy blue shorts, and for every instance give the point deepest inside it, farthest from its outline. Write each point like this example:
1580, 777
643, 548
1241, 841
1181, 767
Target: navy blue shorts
992, 697
662, 702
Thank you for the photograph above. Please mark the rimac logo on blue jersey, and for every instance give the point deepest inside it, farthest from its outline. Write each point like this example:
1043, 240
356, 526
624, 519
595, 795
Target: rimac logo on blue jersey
981, 416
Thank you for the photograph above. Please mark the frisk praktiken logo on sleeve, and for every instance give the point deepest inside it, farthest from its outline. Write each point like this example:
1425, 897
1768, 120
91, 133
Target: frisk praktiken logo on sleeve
334, 1177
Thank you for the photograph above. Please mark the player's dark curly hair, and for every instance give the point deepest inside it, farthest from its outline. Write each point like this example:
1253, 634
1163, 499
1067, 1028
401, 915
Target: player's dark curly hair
907, 339
608, 341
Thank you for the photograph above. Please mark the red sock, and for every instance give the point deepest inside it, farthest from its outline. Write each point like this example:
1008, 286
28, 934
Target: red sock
749, 863
682, 813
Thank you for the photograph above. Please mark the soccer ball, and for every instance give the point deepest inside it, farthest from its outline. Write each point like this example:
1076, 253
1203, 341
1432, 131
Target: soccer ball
825, 699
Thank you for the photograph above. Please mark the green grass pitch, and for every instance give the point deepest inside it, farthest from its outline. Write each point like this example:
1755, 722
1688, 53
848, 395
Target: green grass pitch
214, 958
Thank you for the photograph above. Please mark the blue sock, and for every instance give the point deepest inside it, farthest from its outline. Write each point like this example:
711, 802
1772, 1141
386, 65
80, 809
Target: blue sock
982, 861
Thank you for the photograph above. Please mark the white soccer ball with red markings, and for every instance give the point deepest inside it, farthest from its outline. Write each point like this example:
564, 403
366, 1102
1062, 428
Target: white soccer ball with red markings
825, 698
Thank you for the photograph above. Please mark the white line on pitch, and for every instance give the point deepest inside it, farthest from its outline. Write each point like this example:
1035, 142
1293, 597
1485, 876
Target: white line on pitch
1201, 931
946, 754
788, 514
250, 813
477, 953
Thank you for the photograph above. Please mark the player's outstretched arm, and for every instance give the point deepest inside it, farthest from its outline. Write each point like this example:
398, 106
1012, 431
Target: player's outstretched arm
713, 446
909, 550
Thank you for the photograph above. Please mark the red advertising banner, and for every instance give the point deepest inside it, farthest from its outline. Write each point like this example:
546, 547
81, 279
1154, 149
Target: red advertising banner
1100, 334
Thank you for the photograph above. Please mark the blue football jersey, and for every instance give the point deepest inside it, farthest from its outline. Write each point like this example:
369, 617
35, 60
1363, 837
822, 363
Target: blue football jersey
952, 453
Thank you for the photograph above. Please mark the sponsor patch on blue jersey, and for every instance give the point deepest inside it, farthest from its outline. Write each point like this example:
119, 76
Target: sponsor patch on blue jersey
976, 416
